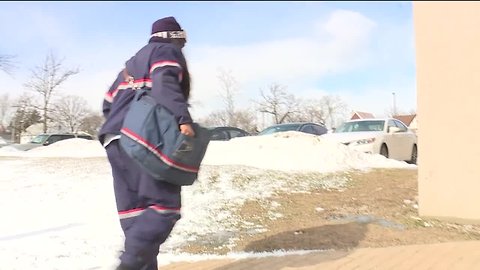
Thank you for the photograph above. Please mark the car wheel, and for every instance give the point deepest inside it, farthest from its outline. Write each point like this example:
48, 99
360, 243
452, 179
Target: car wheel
384, 150
413, 159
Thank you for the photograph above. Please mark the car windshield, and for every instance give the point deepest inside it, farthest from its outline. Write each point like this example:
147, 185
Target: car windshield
279, 128
39, 139
359, 126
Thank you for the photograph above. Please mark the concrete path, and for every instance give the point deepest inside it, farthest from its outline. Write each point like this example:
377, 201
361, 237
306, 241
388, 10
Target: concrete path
449, 256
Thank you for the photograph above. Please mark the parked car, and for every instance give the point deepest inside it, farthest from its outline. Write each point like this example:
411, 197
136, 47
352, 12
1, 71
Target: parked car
227, 133
306, 127
47, 139
388, 137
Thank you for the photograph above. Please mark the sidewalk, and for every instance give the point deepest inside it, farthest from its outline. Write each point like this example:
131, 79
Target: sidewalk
449, 256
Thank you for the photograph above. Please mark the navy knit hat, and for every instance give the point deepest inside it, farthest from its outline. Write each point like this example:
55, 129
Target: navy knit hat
167, 27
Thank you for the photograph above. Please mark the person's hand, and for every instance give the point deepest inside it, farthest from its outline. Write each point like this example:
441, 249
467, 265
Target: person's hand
186, 129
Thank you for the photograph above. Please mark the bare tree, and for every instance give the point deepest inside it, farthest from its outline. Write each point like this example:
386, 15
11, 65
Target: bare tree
217, 118
228, 91
46, 80
5, 105
278, 103
246, 120
6, 63
69, 112
390, 112
334, 109
309, 110
328, 108
91, 123
24, 116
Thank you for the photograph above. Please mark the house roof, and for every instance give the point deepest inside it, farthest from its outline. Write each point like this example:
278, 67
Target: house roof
364, 114
406, 119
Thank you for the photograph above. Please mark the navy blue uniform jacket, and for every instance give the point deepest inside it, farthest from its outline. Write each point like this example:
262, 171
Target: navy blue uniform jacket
159, 66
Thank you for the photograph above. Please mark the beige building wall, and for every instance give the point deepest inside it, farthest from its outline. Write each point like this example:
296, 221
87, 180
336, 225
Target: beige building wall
447, 36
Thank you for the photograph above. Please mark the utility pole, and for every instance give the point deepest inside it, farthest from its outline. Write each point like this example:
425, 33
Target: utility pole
394, 104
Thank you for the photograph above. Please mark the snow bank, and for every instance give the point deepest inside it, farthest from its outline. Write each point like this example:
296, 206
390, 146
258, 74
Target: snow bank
294, 151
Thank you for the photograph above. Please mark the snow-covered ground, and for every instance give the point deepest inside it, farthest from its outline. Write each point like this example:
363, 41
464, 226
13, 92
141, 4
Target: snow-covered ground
59, 210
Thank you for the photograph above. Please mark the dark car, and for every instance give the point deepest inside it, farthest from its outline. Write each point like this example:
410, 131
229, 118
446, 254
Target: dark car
227, 133
306, 127
47, 139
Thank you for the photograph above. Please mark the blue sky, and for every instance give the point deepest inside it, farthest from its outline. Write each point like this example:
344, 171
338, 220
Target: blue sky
360, 51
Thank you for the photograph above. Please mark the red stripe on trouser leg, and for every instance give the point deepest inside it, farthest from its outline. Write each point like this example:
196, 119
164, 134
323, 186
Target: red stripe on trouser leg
143, 239
136, 189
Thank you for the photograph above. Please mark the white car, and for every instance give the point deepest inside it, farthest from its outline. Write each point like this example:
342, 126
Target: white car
388, 137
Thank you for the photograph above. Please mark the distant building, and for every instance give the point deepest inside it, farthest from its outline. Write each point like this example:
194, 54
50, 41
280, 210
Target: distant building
361, 115
31, 132
410, 120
